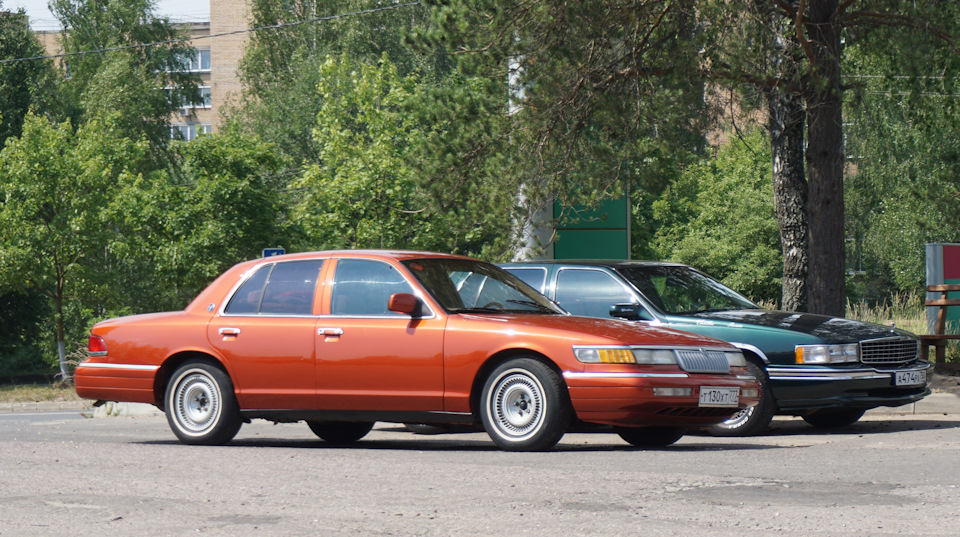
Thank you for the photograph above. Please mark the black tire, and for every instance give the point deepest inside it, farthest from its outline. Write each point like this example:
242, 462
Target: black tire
524, 406
753, 420
650, 436
200, 404
839, 417
340, 432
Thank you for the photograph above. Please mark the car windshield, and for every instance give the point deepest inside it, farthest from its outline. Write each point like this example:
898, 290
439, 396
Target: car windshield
467, 286
679, 290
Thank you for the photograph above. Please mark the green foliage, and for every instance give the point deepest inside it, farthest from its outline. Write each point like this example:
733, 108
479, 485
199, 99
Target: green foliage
143, 85
366, 193
599, 94
55, 186
279, 68
23, 84
21, 314
177, 233
718, 217
905, 116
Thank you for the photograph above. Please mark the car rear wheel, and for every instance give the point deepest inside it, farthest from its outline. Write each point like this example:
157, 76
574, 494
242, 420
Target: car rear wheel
340, 432
650, 436
201, 406
524, 406
753, 420
840, 417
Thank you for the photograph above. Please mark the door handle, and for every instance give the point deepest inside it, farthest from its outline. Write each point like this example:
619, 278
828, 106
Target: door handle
225, 332
330, 332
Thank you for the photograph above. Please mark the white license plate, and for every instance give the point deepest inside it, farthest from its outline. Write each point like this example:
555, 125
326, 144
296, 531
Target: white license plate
719, 396
909, 378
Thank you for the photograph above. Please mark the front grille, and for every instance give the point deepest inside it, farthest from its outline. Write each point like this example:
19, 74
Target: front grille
698, 361
888, 351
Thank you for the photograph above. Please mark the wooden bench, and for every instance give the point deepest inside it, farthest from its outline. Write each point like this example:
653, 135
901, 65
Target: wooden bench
939, 339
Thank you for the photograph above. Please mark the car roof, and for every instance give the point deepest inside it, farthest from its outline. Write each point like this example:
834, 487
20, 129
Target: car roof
401, 255
596, 262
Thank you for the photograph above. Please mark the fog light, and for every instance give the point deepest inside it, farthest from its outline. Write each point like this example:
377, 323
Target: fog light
750, 393
673, 392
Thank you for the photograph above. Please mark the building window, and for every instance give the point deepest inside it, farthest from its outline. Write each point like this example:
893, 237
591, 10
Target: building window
204, 100
199, 62
188, 131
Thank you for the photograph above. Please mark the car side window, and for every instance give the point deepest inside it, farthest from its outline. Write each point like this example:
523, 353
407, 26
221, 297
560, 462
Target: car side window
286, 288
363, 287
534, 277
590, 292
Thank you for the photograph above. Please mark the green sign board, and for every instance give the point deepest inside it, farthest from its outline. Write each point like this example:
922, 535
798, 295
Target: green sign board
601, 233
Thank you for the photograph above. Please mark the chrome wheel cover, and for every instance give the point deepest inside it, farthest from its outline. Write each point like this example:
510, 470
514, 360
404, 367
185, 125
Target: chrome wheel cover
196, 402
739, 419
517, 405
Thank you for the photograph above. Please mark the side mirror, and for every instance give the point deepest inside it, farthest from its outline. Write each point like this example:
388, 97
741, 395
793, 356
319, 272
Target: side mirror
631, 312
404, 303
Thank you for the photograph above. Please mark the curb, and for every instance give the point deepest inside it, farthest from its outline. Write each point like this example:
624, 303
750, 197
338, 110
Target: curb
40, 406
937, 403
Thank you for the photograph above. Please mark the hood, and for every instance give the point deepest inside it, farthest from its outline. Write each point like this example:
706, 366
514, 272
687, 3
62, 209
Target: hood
589, 330
830, 329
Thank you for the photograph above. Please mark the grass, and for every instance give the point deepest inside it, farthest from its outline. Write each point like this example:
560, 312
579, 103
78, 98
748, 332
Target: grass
35, 393
903, 310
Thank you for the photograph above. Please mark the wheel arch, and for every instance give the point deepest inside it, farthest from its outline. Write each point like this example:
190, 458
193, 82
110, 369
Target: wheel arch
752, 352
171, 364
494, 361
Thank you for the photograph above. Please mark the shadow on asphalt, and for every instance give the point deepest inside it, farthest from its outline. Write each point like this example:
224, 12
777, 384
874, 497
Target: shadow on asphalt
692, 442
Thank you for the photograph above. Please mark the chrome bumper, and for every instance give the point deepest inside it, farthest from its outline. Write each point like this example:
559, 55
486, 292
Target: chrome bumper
781, 372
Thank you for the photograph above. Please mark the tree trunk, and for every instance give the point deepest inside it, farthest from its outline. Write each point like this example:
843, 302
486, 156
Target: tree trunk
61, 340
825, 279
786, 123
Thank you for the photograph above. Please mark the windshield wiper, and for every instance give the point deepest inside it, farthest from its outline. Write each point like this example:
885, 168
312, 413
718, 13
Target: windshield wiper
540, 307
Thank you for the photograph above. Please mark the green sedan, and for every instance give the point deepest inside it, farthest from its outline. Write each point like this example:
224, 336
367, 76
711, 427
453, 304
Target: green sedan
827, 370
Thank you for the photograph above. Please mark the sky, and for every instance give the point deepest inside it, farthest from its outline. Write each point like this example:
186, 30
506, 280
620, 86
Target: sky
177, 10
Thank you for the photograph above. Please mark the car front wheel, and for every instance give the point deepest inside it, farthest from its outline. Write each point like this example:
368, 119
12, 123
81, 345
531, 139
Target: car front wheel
524, 406
753, 420
200, 405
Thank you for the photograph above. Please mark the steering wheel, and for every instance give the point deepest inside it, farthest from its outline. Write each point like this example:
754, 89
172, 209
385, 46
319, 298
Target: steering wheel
493, 306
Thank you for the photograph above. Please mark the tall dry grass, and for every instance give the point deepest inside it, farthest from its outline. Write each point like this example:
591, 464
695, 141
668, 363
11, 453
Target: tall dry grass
903, 310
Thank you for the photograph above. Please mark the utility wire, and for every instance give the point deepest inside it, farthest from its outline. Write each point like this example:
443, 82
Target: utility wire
211, 36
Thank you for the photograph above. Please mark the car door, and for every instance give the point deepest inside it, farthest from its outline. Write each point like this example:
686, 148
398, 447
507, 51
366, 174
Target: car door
590, 292
370, 358
266, 335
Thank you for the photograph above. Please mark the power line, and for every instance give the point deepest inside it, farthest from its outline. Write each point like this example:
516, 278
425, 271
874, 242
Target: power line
211, 36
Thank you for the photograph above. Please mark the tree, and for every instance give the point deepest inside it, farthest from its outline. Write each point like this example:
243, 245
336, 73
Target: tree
718, 217
55, 186
143, 85
366, 192
23, 84
175, 234
280, 65
903, 116
601, 93
804, 41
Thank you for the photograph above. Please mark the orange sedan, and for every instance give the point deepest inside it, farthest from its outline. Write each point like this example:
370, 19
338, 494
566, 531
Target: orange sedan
343, 339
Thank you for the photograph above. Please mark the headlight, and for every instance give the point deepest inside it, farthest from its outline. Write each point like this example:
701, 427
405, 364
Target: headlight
736, 359
828, 354
624, 355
